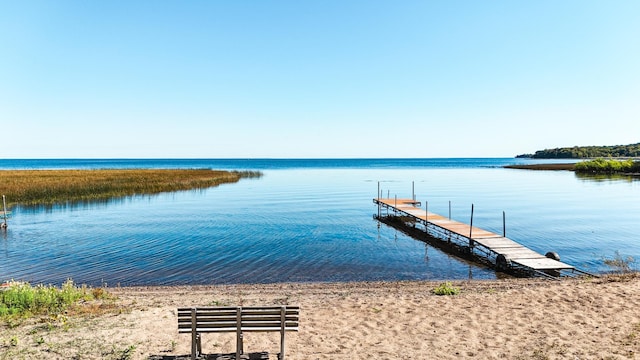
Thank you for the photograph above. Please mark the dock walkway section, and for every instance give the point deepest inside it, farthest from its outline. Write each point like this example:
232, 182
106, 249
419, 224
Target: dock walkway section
504, 253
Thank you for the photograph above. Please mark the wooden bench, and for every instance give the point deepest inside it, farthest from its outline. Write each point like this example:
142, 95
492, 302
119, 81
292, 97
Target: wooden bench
239, 319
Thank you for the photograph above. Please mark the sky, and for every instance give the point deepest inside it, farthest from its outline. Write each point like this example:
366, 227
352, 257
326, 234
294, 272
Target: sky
316, 79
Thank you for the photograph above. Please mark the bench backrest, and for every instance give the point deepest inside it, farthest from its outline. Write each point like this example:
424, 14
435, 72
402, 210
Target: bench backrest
233, 319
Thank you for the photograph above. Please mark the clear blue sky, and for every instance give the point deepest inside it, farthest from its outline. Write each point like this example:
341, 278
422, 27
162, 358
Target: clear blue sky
309, 79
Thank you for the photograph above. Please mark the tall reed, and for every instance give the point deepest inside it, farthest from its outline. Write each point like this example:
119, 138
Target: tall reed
30, 187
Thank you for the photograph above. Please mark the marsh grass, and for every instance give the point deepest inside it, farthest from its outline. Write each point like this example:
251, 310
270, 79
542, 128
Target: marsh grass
35, 187
608, 166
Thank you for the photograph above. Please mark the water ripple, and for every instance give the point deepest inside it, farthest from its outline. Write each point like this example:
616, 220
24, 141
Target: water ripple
314, 225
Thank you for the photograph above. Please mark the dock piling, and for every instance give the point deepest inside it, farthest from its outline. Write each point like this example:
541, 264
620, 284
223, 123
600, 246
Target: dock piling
471, 230
504, 225
471, 223
426, 215
379, 196
4, 211
413, 191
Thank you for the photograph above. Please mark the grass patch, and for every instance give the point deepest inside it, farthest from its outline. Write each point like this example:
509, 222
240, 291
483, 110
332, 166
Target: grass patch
446, 289
608, 166
21, 300
32, 187
217, 303
125, 354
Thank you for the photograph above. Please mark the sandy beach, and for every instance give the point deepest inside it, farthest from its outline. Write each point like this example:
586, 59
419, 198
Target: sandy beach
498, 319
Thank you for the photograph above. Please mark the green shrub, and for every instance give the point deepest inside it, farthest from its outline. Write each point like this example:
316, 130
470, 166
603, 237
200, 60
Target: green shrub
607, 166
24, 300
446, 289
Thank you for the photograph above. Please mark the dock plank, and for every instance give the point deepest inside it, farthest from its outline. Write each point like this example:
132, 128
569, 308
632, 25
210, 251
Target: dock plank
520, 253
497, 242
544, 264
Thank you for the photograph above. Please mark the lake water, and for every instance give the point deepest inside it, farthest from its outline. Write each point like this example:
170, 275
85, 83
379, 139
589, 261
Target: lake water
311, 220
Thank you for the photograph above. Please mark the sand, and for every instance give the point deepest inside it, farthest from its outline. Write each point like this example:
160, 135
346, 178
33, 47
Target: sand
498, 319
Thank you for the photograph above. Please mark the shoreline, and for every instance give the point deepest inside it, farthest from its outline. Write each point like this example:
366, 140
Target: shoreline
560, 166
489, 319
566, 167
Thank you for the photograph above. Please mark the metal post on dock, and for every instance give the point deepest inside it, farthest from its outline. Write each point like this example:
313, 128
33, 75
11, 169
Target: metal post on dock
4, 211
504, 225
426, 215
471, 226
471, 244
449, 239
413, 191
379, 196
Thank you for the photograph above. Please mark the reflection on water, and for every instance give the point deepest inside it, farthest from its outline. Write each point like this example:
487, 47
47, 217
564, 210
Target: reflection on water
97, 203
607, 177
72, 205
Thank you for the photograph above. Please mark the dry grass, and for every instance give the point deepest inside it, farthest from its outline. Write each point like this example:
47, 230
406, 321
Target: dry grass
29, 187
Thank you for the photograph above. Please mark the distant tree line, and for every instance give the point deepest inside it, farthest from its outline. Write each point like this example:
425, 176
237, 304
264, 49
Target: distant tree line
582, 152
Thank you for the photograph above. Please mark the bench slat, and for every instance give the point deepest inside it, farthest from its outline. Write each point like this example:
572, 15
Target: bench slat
243, 327
186, 315
233, 326
268, 307
231, 314
244, 315
244, 309
244, 323
233, 323
233, 329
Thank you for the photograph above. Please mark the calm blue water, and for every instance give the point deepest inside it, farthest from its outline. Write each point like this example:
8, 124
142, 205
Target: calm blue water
311, 220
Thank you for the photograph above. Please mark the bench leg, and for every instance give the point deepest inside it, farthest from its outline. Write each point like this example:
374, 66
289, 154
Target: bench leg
196, 346
199, 345
283, 323
239, 345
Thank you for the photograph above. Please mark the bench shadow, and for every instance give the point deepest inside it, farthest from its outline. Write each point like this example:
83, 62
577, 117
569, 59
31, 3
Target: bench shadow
230, 356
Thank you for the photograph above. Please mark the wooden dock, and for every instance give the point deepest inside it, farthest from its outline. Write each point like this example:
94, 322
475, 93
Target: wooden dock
497, 250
